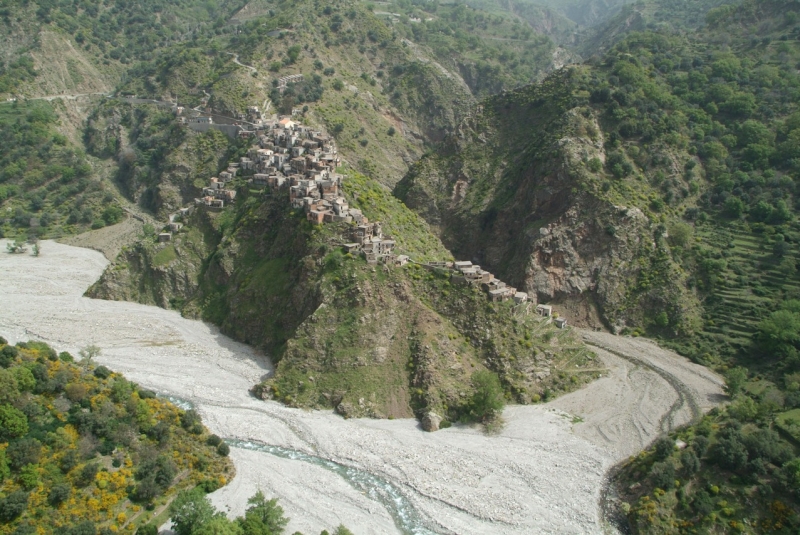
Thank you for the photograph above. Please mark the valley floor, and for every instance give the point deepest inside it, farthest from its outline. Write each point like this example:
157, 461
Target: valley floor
543, 473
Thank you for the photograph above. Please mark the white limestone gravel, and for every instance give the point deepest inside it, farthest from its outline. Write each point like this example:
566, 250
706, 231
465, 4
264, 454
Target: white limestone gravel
543, 473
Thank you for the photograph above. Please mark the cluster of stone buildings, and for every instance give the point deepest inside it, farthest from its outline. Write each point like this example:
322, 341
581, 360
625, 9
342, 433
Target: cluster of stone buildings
215, 195
173, 226
304, 161
368, 239
466, 272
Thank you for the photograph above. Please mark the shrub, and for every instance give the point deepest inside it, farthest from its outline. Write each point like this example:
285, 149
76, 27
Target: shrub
102, 372
190, 419
701, 503
24, 451
87, 474
147, 529
223, 449
214, 440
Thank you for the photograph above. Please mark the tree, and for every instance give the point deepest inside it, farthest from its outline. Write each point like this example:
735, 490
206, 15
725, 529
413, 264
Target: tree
88, 353
779, 333
733, 207
189, 511
9, 389
488, 399
791, 474
735, 378
13, 505
59, 494
680, 234
663, 475
263, 517
729, 452
293, 54
664, 448
219, 525
689, 462
7, 356
13, 422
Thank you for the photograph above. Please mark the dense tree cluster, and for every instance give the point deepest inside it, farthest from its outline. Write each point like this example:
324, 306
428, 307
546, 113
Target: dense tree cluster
79, 443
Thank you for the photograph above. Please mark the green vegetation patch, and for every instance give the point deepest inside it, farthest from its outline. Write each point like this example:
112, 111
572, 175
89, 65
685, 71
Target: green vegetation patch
165, 256
82, 446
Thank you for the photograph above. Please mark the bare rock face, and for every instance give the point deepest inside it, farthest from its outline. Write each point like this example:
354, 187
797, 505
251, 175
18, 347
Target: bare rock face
430, 422
513, 193
346, 409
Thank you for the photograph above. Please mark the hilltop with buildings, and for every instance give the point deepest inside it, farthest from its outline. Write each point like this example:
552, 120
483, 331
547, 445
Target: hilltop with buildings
366, 294
300, 163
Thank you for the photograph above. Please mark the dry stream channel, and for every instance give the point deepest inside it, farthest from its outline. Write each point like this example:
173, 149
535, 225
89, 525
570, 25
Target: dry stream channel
543, 473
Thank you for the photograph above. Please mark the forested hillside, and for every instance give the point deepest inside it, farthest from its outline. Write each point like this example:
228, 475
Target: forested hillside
82, 449
696, 132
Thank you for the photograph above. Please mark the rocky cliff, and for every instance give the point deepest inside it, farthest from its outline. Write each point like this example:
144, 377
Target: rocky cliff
520, 189
365, 340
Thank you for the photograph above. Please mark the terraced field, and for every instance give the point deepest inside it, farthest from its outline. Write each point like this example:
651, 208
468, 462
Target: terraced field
751, 278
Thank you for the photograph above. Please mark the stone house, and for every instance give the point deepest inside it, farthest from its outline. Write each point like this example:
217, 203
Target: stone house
544, 310
561, 323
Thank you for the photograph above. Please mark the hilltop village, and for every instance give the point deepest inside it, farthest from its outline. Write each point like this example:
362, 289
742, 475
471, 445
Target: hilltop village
300, 162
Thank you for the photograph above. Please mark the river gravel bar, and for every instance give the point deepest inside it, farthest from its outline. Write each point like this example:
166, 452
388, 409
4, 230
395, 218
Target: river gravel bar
542, 473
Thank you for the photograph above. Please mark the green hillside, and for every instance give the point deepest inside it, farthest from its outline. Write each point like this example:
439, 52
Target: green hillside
48, 186
82, 448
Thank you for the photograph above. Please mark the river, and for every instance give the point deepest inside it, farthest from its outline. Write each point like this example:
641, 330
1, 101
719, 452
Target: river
543, 473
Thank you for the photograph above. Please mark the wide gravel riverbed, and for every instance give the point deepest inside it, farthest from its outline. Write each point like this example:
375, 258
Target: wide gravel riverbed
543, 473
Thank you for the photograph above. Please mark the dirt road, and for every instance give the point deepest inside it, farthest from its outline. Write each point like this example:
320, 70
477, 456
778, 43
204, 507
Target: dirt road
541, 474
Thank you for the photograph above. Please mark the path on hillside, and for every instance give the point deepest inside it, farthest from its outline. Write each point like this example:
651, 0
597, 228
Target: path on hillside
51, 98
236, 61
540, 474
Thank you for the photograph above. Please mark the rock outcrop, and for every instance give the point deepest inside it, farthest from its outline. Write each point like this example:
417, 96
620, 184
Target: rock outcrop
517, 190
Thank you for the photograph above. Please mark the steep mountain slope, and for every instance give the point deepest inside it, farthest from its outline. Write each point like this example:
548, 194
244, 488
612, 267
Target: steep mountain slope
520, 189
373, 80
668, 125
368, 341
697, 133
